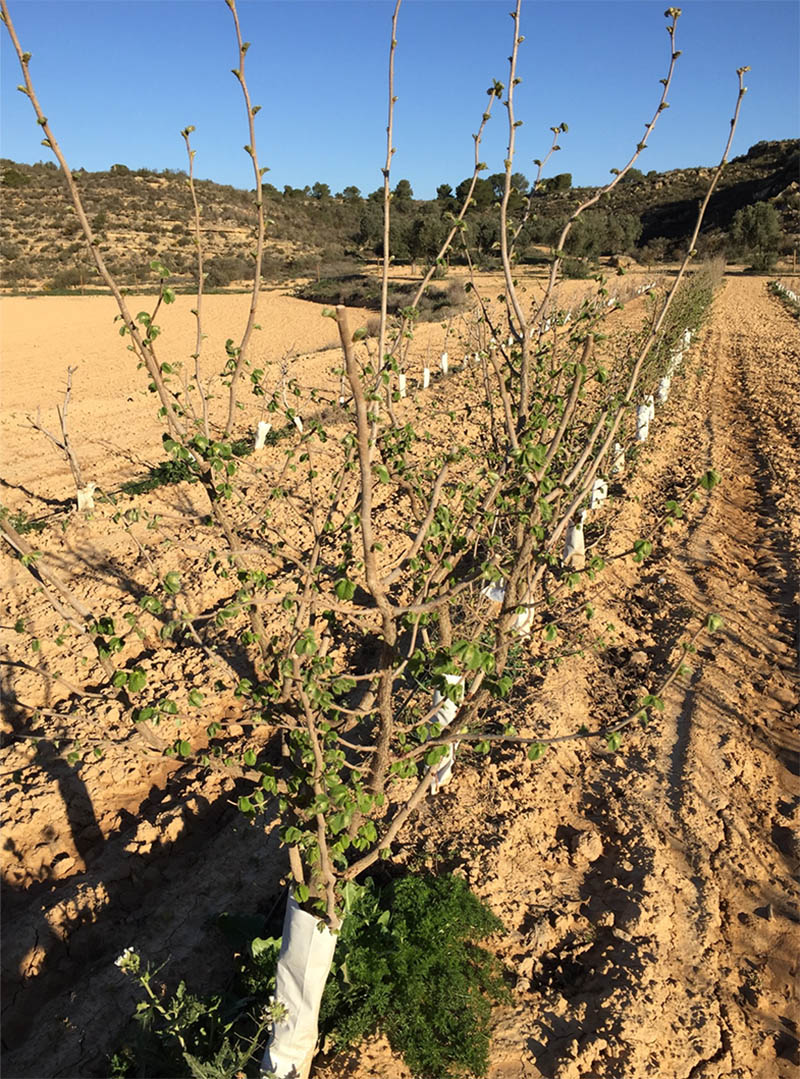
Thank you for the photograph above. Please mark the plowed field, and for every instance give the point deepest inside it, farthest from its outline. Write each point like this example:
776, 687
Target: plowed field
650, 895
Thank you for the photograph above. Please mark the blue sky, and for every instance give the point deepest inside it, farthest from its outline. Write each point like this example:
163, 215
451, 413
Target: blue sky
118, 79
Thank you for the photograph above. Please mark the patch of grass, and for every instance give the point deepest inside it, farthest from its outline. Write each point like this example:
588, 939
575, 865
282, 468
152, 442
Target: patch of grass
167, 473
163, 474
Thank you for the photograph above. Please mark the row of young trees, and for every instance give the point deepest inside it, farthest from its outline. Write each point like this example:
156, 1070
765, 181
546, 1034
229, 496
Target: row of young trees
390, 580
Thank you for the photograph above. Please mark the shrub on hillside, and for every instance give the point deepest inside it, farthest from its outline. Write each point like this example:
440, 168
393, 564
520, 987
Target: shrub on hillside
70, 277
222, 270
359, 290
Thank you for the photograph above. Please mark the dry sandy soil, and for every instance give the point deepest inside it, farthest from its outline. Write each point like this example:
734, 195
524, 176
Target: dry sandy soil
650, 895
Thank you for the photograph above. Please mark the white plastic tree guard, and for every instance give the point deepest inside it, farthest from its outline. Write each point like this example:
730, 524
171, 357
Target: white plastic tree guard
523, 620
651, 406
304, 963
426, 377
687, 336
618, 459
445, 363
86, 496
574, 547
262, 430
401, 384
675, 360
446, 712
599, 493
662, 393
642, 423
494, 591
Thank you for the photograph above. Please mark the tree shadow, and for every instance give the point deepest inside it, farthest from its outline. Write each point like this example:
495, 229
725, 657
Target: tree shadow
159, 895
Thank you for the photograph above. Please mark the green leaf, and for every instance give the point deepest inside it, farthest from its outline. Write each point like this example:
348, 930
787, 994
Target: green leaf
184, 748
137, 680
382, 472
306, 645
172, 582
344, 588
613, 740
641, 548
433, 756
249, 758
714, 623
195, 698
536, 751
151, 604
710, 479
120, 679
245, 805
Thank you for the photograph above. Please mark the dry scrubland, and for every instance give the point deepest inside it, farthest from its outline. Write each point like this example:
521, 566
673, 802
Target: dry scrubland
649, 895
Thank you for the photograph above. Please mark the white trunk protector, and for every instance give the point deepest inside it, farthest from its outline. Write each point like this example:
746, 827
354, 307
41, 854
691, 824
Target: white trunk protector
574, 545
262, 431
86, 496
447, 711
304, 963
618, 464
642, 423
599, 494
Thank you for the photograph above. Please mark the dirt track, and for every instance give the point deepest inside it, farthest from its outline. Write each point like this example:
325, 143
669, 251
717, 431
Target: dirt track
650, 895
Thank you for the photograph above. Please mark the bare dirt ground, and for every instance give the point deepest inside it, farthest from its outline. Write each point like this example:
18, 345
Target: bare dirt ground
650, 895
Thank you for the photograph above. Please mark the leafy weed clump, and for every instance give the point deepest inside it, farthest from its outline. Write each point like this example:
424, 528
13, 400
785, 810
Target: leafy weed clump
409, 964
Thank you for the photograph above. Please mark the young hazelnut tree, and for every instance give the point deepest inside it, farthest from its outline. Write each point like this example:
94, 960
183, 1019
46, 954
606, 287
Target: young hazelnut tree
393, 580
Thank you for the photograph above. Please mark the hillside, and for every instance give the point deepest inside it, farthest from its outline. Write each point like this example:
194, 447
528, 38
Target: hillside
143, 214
